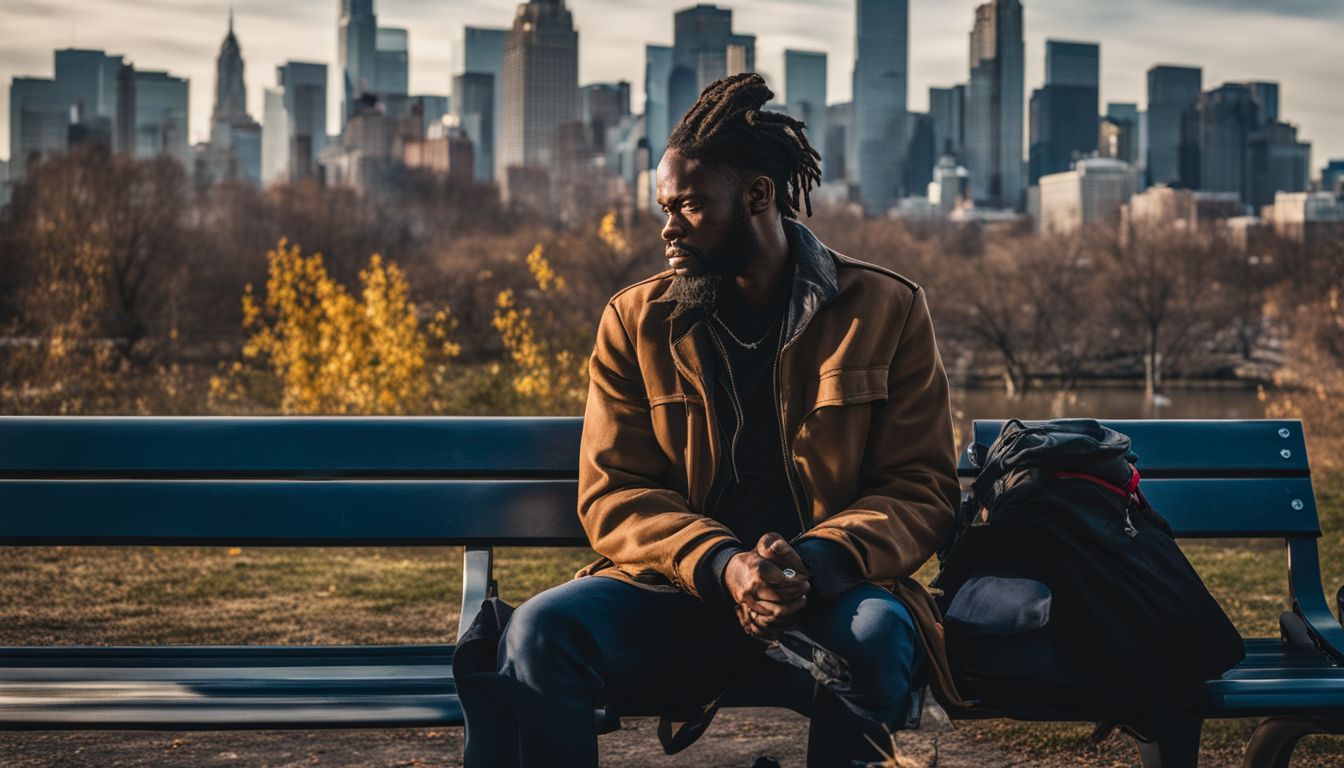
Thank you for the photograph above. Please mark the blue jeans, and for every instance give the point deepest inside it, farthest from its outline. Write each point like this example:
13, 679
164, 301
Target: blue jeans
574, 645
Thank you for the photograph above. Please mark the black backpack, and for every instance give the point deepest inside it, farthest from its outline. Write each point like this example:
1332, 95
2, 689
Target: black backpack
1062, 588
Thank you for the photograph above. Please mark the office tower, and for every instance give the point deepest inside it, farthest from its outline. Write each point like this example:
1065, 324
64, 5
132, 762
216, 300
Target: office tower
390, 63
702, 44
86, 84
1092, 193
1276, 162
235, 138
601, 107
1064, 110
305, 101
994, 105
947, 107
274, 137
474, 108
161, 125
357, 49
482, 52
1266, 98
230, 89
837, 142
1332, 177
805, 94
921, 154
38, 122
541, 85
657, 109
1173, 125
1125, 118
881, 62
1227, 117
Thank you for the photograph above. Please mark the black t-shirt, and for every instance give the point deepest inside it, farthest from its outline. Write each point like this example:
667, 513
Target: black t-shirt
755, 498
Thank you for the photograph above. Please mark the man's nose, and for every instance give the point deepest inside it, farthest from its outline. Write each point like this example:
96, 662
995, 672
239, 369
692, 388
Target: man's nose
671, 229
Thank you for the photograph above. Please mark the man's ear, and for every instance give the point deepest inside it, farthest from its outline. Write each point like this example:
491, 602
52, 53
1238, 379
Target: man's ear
760, 194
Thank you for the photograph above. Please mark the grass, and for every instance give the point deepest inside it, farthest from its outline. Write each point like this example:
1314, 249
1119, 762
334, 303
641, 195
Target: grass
192, 595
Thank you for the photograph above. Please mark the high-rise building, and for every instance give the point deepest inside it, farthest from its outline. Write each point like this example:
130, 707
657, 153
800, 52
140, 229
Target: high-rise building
947, 107
235, 138
921, 154
881, 77
357, 51
1124, 118
38, 122
1092, 193
474, 108
1227, 117
658, 117
86, 84
391, 63
1173, 125
1276, 162
274, 137
702, 45
482, 52
994, 105
1064, 111
305, 100
1332, 177
805, 94
836, 144
541, 85
161, 116
230, 88
601, 107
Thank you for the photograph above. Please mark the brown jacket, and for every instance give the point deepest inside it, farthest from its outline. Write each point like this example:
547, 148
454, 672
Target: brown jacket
863, 399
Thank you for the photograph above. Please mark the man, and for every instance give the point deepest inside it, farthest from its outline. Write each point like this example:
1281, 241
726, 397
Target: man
767, 455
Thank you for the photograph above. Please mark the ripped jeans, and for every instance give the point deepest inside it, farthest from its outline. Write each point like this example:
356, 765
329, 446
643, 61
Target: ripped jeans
567, 647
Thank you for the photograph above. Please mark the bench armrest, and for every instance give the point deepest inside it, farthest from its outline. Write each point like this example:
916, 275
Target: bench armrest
1304, 582
478, 583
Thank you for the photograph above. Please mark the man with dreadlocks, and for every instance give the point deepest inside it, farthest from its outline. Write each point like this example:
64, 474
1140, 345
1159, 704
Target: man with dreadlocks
767, 456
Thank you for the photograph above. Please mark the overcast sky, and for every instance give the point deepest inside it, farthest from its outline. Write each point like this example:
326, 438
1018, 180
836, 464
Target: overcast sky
1295, 42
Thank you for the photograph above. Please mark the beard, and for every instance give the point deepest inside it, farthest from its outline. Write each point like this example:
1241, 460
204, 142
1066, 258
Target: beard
720, 262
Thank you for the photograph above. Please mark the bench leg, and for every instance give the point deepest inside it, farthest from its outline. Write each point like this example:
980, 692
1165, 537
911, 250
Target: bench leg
1272, 744
1173, 745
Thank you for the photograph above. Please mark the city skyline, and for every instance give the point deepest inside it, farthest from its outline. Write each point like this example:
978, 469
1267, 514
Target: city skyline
609, 51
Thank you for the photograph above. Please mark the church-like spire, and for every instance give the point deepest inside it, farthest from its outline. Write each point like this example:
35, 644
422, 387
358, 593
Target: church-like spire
230, 93
230, 18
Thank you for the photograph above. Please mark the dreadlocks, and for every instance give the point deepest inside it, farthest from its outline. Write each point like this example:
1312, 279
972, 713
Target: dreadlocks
727, 125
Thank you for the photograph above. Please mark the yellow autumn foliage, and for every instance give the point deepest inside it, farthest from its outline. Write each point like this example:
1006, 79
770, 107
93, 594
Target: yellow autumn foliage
547, 369
316, 348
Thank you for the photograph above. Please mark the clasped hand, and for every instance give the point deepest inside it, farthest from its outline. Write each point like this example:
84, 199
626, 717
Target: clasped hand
767, 599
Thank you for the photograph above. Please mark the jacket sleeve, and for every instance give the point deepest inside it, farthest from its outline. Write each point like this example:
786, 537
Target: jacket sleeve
626, 505
908, 484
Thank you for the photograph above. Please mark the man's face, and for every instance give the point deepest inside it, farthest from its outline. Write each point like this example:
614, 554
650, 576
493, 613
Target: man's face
708, 233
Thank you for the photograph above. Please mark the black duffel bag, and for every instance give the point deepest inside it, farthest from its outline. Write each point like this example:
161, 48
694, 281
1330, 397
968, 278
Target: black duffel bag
1062, 588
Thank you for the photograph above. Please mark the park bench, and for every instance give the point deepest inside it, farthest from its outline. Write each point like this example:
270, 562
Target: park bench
486, 482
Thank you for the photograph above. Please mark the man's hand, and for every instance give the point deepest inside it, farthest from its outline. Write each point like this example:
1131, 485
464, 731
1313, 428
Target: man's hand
767, 598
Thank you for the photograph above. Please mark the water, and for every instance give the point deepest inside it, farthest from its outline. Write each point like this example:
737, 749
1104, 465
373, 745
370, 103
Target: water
1103, 403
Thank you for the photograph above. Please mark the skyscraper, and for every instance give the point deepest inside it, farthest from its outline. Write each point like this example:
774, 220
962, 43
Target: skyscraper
947, 107
235, 138
305, 101
161, 124
1173, 125
881, 60
1064, 111
1266, 98
86, 84
474, 108
274, 137
357, 49
703, 43
1227, 117
541, 85
657, 109
1125, 118
37, 122
994, 105
805, 93
483, 53
391, 62
1276, 162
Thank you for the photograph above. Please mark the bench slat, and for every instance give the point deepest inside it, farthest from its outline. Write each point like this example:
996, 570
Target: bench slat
290, 512
197, 446
1235, 508
1196, 447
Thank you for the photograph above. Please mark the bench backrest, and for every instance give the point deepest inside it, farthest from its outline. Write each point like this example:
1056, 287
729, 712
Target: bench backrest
289, 481
1223, 478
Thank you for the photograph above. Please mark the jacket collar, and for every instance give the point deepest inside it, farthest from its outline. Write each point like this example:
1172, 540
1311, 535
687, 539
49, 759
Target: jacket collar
815, 284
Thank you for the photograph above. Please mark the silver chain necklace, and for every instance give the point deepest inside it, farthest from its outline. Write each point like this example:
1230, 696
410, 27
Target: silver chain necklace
733, 336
